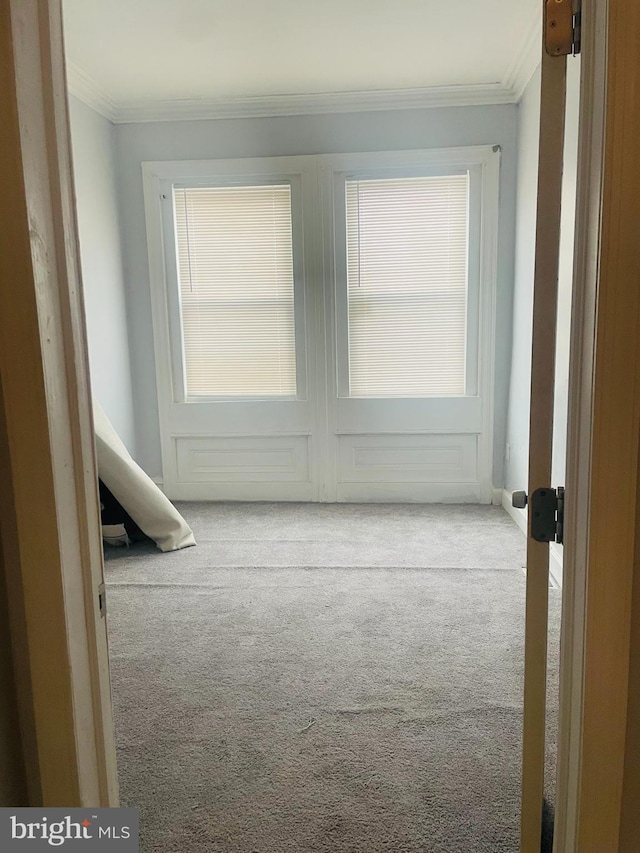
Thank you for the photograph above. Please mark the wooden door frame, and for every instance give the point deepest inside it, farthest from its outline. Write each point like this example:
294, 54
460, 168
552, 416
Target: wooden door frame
596, 766
49, 514
587, 242
48, 505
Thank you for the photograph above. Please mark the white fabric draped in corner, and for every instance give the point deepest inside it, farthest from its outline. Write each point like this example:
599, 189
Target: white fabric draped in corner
152, 511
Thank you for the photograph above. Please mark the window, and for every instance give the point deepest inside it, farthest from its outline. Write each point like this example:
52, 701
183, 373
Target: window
236, 281
407, 275
324, 325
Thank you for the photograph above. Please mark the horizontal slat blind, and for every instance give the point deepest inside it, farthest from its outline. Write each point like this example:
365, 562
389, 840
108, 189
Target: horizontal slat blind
235, 268
407, 255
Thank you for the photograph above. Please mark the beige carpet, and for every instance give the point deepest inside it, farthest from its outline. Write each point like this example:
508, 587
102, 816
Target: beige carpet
324, 679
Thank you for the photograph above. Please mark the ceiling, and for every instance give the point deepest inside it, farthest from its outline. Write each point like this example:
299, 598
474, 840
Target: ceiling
142, 57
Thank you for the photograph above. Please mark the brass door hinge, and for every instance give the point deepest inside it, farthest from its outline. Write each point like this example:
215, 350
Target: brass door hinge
562, 20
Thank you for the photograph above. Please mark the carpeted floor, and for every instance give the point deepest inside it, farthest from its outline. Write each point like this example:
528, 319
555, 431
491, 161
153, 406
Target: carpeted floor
324, 679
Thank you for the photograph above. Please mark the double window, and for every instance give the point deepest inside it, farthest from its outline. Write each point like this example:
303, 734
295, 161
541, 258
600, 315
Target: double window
405, 265
323, 324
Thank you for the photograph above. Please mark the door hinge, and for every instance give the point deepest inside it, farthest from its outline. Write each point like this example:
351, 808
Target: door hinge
546, 509
102, 600
562, 25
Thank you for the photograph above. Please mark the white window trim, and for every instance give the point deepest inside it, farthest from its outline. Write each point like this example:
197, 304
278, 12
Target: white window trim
174, 423
482, 161
159, 180
176, 330
316, 414
473, 285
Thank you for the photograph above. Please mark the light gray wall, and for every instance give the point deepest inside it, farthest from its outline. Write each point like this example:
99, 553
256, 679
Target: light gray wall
379, 131
518, 415
516, 469
565, 271
92, 138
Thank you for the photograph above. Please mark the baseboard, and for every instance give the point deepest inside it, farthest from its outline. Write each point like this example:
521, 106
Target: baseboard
555, 565
445, 493
555, 550
496, 496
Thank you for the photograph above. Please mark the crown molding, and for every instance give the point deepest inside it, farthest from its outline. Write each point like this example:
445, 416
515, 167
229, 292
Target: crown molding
85, 88
313, 104
82, 86
510, 91
526, 60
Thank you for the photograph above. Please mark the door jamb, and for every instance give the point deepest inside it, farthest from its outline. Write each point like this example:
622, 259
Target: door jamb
597, 726
48, 499
53, 633
579, 429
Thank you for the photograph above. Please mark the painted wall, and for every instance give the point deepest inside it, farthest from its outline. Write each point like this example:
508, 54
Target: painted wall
565, 272
518, 415
92, 139
516, 469
401, 130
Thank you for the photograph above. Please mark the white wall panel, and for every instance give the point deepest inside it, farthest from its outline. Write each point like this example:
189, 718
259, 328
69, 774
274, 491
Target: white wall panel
407, 458
250, 459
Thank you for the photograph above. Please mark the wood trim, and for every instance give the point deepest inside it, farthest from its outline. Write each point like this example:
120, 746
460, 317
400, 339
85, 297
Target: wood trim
14, 747
630, 820
579, 430
613, 507
545, 297
80, 403
53, 541
33, 539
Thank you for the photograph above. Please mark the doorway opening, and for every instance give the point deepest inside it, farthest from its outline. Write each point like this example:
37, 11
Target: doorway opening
338, 663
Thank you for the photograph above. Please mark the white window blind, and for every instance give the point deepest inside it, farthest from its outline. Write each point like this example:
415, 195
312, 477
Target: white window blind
407, 249
235, 269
